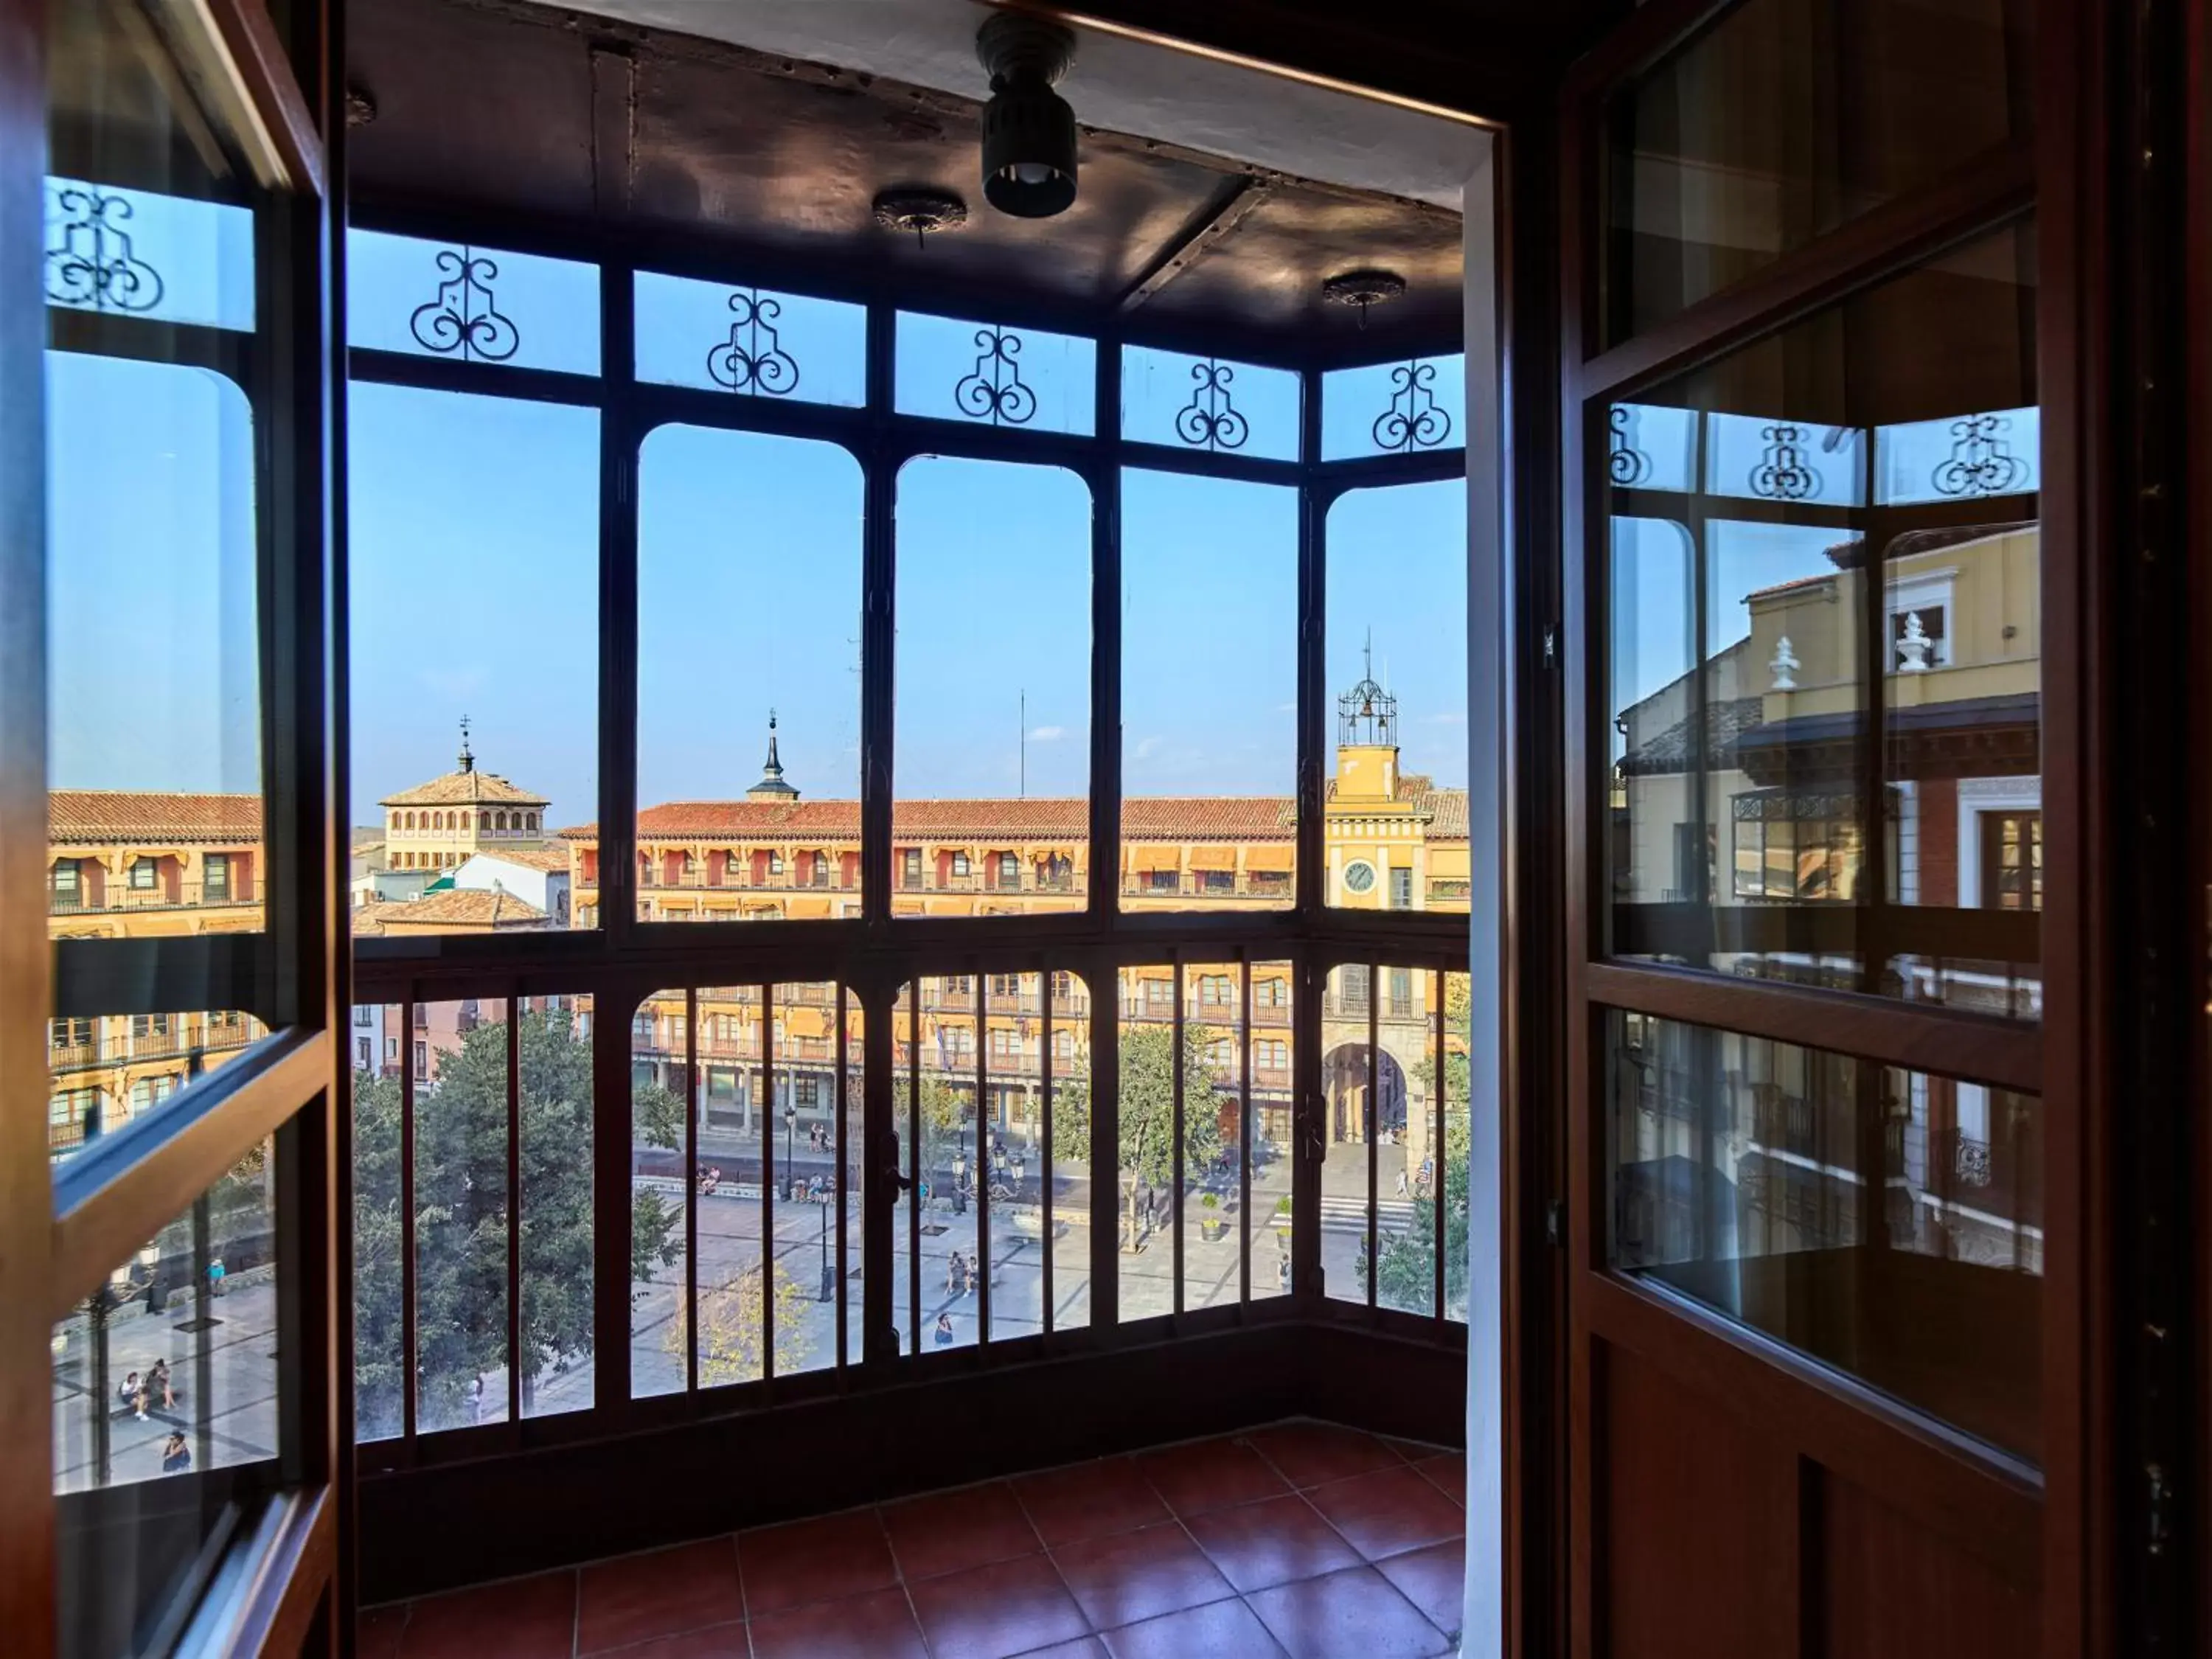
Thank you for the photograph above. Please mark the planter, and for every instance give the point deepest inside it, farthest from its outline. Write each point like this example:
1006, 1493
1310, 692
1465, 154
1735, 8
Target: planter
1213, 1229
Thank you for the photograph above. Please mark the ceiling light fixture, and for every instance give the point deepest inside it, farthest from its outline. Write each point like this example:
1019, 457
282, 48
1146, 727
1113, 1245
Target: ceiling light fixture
924, 212
1029, 130
1364, 289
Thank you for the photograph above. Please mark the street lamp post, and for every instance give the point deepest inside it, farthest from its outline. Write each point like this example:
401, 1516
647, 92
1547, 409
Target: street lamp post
790, 1129
828, 1283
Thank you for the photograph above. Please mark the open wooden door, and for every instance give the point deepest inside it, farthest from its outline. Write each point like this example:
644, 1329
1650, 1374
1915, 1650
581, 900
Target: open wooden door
1827, 898
171, 925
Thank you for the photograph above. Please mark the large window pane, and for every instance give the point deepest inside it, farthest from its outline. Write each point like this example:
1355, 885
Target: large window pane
993, 708
476, 577
1013, 1155
1068, 1173
458, 1054
1396, 812
380, 1227
1268, 1222
730, 1319
662, 1185
1363, 1093
1788, 119
1145, 1162
1757, 623
1209, 693
1888, 1222
935, 1253
804, 1202
153, 679
1209, 1196
752, 812
554, 1044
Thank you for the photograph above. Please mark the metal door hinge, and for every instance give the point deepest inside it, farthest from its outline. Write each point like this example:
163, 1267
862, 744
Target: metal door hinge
1551, 645
1555, 1223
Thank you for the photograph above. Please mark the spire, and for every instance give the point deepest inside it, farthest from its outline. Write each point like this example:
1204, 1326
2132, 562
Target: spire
468, 761
772, 786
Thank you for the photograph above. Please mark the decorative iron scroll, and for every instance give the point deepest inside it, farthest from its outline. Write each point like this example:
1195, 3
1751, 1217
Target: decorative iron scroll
1210, 420
1782, 474
463, 317
994, 392
1981, 463
93, 263
1414, 419
752, 360
1627, 465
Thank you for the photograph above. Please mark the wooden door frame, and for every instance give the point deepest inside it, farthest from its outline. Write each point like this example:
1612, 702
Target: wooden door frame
2052, 1526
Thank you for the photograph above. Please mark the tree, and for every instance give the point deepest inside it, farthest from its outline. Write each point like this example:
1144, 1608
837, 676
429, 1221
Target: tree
948, 1123
1408, 1260
732, 1329
1147, 1055
461, 1220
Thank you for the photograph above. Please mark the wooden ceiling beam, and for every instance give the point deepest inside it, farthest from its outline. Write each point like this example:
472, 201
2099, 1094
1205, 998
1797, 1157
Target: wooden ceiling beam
1236, 198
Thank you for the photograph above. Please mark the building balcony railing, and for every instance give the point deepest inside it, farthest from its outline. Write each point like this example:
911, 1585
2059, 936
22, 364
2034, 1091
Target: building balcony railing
1277, 885
125, 1050
660, 881
119, 898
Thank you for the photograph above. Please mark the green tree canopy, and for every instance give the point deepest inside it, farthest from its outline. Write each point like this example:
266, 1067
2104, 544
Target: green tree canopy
1147, 1056
1409, 1259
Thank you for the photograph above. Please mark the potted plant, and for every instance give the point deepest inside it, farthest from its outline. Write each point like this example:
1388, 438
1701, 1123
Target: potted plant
1282, 1216
1211, 1224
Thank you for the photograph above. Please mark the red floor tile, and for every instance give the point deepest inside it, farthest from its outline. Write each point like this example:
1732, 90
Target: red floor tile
376, 1633
970, 1527
714, 1642
1089, 1500
824, 1560
518, 1619
1210, 1474
634, 1598
1447, 1473
1276, 1541
1139, 1575
877, 1626
995, 1612
1308, 1454
1389, 1512
1434, 1580
1224, 1629
1346, 1614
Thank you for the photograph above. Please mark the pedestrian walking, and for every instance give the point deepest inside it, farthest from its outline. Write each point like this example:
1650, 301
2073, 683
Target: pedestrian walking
158, 1382
1401, 1183
176, 1455
956, 1275
477, 1399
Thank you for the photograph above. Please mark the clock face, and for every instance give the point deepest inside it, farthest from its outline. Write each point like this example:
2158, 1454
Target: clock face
1358, 876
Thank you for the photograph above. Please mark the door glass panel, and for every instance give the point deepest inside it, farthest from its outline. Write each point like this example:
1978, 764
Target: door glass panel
754, 814
1788, 119
1268, 1221
1073, 1201
1207, 1201
663, 1185
1889, 1222
458, 1053
804, 1198
1764, 626
729, 1322
553, 1042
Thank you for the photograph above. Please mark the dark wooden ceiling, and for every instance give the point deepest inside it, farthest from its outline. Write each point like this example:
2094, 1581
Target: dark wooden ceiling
495, 104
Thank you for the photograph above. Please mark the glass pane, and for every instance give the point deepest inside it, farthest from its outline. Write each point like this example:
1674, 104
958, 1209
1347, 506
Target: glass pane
1788, 119
1209, 693
166, 1380
1396, 812
1014, 1150
458, 1053
476, 304
1753, 827
907, 1280
498, 500
660, 1195
1144, 1164
995, 375
803, 1203
1205, 402
554, 1048
750, 340
1446, 1184
1070, 1172
1888, 1222
142, 253
380, 1230
728, 830
1267, 1223
851, 1194
730, 1324
1394, 409
992, 714
1213, 1103
1358, 1095
154, 765
944, 1100
112, 1069
1406, 1189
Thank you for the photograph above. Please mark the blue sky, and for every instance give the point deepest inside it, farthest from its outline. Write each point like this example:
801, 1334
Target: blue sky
475, 560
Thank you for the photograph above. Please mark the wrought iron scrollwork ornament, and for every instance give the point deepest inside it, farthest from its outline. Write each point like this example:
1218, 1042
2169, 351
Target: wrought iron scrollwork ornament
93, 263
463, 317
994, 392
752, 360
1627, 465
1782, 474
1414, 419
1210, 420
1981, 463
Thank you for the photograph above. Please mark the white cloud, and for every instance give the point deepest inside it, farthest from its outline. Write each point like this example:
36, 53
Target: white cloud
1147, 747
1286, 708
1048, 733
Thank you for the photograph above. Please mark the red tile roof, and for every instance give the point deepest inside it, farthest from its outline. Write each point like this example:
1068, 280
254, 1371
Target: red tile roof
554, 858
459, 906
77, 817
469, 788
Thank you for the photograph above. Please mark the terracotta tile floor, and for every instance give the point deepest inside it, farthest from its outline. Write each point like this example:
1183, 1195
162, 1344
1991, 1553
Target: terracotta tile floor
1303, 1540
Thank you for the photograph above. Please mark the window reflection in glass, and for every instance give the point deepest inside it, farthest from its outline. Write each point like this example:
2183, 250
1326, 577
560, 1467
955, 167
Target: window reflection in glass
1888, 1222
992, 719
109, 1070
755, 814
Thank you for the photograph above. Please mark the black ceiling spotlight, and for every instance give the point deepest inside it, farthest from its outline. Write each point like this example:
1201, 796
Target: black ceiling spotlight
1029, 130
924, 211
1364, 289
